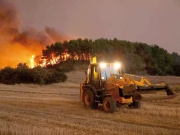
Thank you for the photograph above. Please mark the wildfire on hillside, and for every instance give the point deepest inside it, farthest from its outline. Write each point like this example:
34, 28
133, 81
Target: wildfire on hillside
22, 47
53, 60
32, 63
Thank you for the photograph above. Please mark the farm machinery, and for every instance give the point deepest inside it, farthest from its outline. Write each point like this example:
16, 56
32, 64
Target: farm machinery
106, 85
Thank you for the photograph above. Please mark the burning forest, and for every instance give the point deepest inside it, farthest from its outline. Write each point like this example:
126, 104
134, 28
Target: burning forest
48, 47
18, 46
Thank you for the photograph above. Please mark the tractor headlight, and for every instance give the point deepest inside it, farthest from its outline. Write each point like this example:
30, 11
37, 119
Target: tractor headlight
102, 65
117, 65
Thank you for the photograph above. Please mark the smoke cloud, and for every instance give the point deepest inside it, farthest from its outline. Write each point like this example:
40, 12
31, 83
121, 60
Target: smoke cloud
55, 35
9, 19
18, 47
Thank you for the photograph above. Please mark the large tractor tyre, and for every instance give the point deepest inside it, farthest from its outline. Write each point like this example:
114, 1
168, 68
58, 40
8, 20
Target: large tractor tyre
89, 100
135, 105
109, 105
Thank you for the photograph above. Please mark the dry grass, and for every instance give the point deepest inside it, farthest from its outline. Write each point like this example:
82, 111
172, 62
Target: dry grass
55, 110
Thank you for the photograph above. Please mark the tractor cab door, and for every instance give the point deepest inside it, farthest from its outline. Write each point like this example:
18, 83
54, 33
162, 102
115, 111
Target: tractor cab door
95, 76
105, 73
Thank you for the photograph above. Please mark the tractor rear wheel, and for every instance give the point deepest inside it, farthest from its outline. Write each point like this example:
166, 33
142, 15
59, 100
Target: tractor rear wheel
109, 104
89, 99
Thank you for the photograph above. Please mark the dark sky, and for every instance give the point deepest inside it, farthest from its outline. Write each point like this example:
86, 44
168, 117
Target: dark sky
147, 21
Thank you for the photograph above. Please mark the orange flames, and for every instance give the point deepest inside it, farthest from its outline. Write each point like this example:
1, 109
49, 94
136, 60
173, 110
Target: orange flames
13, 54
53, 60
32, 63
17, 47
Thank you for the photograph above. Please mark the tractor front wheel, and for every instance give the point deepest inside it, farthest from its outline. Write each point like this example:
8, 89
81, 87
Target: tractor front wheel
135, 105
89, 99
109, 104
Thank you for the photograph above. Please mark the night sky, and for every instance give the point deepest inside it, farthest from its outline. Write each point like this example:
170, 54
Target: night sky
147, 21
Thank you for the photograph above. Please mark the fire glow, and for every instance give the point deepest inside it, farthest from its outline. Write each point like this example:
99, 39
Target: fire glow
18, 46
54, 60
32, 63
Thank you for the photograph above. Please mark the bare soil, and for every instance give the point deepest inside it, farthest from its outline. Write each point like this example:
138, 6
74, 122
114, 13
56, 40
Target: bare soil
56, 110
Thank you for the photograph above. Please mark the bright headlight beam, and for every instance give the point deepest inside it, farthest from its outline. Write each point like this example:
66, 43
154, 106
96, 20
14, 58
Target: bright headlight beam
102, 65
117, 65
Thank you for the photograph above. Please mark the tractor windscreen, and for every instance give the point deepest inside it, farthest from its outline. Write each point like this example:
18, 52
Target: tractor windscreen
108, 69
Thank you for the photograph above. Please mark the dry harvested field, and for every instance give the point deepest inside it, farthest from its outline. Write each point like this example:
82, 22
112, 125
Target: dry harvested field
55, 110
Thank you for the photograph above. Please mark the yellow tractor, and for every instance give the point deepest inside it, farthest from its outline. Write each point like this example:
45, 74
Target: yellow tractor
104, 84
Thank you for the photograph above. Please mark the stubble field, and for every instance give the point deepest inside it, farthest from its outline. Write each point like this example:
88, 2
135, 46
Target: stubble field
56, 110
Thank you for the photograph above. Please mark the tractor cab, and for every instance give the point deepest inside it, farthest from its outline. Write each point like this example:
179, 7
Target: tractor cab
99, 73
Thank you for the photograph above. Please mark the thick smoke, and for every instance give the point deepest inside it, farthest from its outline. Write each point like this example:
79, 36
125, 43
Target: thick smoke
9, 20
18, 47
55, 35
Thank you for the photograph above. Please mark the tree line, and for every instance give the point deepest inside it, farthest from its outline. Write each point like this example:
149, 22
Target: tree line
137, 58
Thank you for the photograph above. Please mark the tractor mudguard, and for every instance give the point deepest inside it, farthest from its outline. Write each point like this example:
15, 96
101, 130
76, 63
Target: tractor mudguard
92, 87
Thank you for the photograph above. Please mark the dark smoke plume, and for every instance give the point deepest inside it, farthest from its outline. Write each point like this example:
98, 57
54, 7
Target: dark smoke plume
9, 19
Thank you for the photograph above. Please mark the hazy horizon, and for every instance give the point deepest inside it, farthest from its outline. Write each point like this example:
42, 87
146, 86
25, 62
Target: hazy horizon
151, 21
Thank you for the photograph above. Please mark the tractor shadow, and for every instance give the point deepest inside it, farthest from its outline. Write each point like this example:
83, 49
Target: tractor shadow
118, 107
